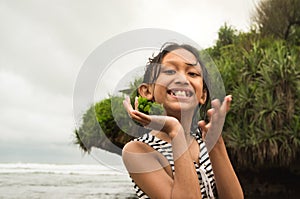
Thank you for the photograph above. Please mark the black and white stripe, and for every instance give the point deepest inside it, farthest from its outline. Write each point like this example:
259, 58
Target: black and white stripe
165, 149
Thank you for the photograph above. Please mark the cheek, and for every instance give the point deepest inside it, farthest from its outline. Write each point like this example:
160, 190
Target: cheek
199, 92
162, 81
161, 86
160, 92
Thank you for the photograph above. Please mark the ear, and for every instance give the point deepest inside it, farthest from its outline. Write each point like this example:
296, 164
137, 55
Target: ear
146, 90
203, 97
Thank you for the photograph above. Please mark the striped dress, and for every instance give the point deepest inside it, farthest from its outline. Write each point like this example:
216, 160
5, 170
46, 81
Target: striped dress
204, 170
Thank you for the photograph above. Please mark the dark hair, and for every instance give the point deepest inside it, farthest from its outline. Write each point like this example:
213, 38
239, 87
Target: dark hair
153, 68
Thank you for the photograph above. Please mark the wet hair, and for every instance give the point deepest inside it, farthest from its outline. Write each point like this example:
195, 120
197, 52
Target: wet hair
153, 69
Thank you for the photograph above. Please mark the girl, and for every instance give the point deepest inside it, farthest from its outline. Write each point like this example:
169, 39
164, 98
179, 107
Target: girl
171, 161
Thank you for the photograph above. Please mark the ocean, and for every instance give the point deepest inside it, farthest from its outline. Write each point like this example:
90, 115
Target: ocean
24, 180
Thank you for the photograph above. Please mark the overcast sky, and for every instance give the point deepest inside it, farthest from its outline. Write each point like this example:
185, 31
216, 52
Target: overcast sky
43, 45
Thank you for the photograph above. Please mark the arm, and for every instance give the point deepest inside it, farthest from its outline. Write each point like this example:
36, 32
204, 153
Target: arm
145, 165
227, 183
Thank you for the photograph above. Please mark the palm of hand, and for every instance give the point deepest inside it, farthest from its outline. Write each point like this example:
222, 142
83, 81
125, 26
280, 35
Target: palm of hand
212, 130
166, 124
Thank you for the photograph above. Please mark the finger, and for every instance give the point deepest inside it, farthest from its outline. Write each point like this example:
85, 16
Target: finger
139, 120
127, 104
207, 126
225, 107
216, 104
127, 98
228, 100
201, 125
204, 128
136, 103
145, 118
210, 113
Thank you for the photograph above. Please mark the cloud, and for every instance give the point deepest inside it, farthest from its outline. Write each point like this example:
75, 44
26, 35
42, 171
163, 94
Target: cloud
45, 43
31, 114
33, 52
199, 20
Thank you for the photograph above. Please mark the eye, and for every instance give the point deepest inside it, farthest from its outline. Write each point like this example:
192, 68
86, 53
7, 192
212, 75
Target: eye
193, 74
169, 72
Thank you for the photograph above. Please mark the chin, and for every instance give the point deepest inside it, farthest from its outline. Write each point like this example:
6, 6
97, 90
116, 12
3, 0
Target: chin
180, 108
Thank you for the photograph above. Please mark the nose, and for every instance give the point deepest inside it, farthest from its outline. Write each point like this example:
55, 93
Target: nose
181, 79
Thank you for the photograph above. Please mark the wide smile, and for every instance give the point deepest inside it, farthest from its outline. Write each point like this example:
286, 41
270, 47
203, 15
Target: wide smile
180, 93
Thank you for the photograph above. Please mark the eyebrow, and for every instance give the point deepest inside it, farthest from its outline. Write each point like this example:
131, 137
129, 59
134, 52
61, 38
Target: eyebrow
187, 63
190, 64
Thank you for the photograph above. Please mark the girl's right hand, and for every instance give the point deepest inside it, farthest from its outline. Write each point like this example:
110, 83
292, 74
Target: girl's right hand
213, 129
167, 124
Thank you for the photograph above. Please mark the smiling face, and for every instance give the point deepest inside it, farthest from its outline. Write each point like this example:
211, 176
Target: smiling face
179, 86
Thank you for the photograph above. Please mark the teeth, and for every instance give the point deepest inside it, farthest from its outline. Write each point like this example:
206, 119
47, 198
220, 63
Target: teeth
180, 93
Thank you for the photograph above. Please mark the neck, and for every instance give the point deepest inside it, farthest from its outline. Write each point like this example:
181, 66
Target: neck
186, 124
186, 119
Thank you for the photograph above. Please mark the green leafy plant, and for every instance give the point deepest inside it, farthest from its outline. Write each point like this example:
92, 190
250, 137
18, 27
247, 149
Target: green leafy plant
149, 107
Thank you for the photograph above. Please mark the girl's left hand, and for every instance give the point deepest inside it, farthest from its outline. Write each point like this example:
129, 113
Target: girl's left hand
211, 131
167, 124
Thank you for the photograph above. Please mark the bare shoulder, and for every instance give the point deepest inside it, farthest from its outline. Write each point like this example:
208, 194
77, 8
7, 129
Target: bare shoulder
137, 147
146, 168
139, 157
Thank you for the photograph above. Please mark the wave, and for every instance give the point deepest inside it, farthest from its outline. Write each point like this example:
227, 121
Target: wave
71, 169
